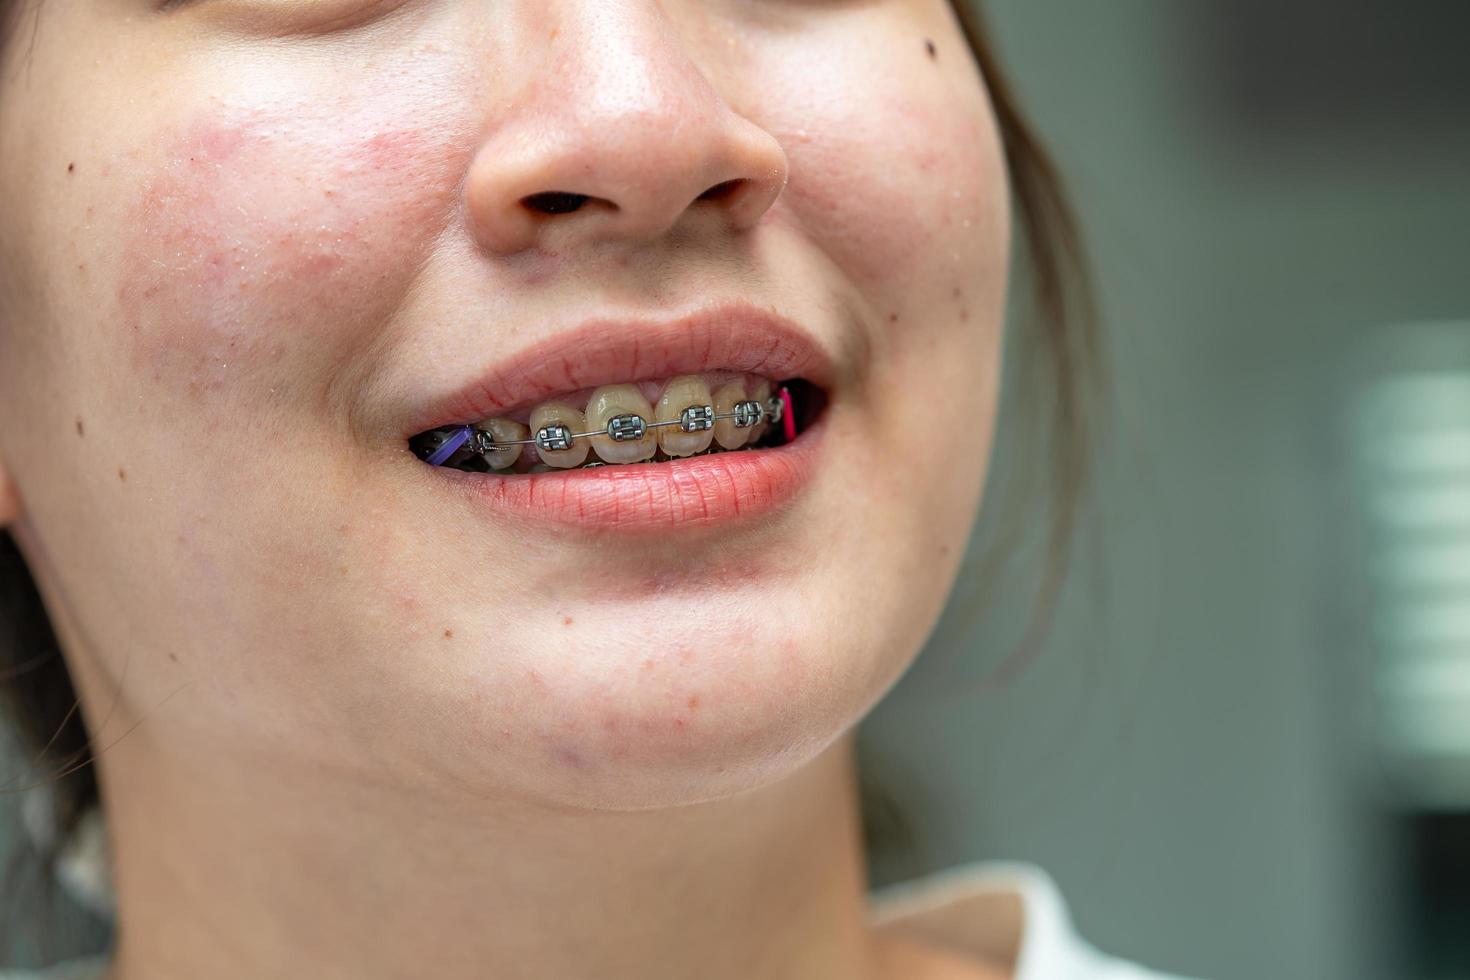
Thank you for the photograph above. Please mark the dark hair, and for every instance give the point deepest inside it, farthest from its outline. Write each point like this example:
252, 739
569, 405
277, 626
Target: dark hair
1059, 354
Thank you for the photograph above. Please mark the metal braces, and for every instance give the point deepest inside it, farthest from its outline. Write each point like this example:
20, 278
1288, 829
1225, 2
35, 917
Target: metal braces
628, 427
632, 427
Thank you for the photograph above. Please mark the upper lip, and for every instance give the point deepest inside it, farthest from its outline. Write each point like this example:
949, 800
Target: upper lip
731, 336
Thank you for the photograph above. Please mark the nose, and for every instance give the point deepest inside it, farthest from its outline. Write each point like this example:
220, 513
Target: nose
621, 138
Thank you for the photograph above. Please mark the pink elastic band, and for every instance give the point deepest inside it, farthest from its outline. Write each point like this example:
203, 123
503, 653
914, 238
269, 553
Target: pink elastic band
788, 415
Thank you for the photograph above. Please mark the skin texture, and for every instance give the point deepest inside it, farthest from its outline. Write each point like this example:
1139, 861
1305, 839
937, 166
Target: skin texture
371, 732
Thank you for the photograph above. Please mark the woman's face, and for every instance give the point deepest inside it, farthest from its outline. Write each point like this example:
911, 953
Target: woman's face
251, 246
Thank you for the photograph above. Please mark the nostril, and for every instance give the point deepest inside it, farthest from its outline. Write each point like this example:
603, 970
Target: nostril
554, 202
723, 189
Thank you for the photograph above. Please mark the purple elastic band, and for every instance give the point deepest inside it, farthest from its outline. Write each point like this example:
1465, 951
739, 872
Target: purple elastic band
450, 446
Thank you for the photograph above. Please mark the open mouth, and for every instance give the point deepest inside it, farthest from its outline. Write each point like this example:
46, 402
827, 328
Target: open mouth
659, 422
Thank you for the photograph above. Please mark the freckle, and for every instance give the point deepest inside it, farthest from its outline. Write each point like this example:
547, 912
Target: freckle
694, 703
449, 634
343, 569
122, 474
957, 292
71, 168
929, 46
79, 425
343, 528
893, 318
173, 656
648, 665
566, 621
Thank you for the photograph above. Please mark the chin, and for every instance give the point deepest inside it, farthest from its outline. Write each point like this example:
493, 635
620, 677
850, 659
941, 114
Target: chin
662, 703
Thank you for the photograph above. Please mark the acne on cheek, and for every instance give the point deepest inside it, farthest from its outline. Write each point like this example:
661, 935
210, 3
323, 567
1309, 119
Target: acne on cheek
273, 237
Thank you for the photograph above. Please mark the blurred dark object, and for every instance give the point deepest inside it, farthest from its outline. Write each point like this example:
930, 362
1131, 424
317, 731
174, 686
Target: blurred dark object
1300, 67
1439, 919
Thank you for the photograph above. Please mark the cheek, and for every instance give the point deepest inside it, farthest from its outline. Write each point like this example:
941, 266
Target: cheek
907, 196
261, 239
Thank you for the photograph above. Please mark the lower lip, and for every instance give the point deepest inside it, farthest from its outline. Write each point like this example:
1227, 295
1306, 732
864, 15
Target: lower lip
721, 488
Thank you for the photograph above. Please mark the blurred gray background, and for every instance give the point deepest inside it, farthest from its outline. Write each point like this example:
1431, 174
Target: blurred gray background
1242, 751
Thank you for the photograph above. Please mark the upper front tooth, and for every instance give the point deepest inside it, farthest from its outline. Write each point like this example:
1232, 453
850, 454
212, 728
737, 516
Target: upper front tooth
560, 413
504, 430
681, 393
727, 434
610, 401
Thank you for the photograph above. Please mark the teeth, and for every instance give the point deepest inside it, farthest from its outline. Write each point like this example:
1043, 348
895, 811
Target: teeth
761, 392
504, 430
560, 413
727, 434
610, 401
682, 392
620, 424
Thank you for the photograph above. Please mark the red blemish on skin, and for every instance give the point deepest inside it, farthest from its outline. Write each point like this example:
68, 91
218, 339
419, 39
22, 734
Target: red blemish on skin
569, 758
218, 145
964, 316
536, 678
236, 259
566, 621
648, 665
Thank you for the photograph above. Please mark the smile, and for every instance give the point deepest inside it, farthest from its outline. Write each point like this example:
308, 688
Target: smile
710, 418
620, 424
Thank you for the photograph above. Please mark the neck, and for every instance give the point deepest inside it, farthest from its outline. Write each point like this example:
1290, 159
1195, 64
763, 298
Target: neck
235, 868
